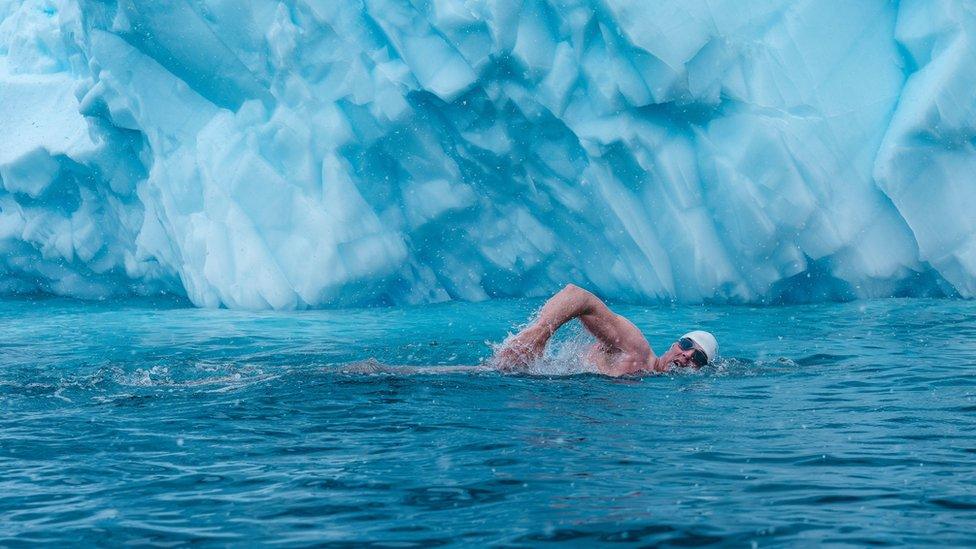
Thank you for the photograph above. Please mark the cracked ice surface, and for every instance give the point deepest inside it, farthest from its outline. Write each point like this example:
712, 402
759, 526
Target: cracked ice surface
269, 154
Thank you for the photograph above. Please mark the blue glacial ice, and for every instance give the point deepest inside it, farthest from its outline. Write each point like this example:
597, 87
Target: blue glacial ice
286, 154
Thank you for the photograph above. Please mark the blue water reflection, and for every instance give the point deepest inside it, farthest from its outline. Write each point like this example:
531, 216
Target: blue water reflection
153, 423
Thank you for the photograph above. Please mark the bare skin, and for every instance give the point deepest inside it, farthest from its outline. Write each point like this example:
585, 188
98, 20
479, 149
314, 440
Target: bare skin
620, 350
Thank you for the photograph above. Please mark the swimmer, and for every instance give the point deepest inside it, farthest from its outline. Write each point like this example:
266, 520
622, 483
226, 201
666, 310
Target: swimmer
620, 350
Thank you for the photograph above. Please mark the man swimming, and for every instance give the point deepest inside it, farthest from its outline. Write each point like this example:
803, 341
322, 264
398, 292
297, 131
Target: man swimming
620, 350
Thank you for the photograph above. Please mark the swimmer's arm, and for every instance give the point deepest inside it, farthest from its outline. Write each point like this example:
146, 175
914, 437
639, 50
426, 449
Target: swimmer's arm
615, 333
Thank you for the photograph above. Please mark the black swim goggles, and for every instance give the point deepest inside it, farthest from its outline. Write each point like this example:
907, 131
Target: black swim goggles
698, 357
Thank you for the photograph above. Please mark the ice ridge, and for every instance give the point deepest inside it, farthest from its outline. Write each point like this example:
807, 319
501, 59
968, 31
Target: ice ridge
268, 154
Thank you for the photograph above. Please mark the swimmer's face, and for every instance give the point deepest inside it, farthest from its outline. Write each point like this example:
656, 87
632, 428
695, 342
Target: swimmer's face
687, 353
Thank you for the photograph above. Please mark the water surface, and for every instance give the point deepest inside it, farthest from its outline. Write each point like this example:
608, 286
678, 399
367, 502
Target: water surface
151, 423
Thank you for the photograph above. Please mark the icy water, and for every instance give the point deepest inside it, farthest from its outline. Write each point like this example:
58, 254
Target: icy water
155, 424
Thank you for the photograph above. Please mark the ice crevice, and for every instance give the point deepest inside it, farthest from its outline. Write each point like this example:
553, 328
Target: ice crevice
271, 154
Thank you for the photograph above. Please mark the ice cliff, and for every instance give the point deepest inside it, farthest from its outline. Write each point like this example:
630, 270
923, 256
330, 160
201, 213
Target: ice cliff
286, 154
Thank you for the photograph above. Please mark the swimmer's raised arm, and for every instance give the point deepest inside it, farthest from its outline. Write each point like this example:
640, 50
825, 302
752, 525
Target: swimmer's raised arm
614, 332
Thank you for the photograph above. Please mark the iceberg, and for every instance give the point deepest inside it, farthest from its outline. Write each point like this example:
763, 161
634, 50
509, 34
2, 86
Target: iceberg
270, 154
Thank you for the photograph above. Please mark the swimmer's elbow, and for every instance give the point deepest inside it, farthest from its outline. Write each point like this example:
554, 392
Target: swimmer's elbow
573, 289
578, 294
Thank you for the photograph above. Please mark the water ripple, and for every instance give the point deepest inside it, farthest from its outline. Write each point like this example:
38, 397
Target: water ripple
152, 426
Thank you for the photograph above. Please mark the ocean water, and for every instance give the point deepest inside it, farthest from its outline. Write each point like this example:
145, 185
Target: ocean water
153, 423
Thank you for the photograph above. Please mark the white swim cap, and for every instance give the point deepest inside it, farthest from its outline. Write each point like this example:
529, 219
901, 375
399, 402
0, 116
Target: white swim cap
706, 341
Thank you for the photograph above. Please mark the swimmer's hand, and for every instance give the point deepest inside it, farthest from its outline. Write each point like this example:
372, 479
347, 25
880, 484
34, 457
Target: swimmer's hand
523, 349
